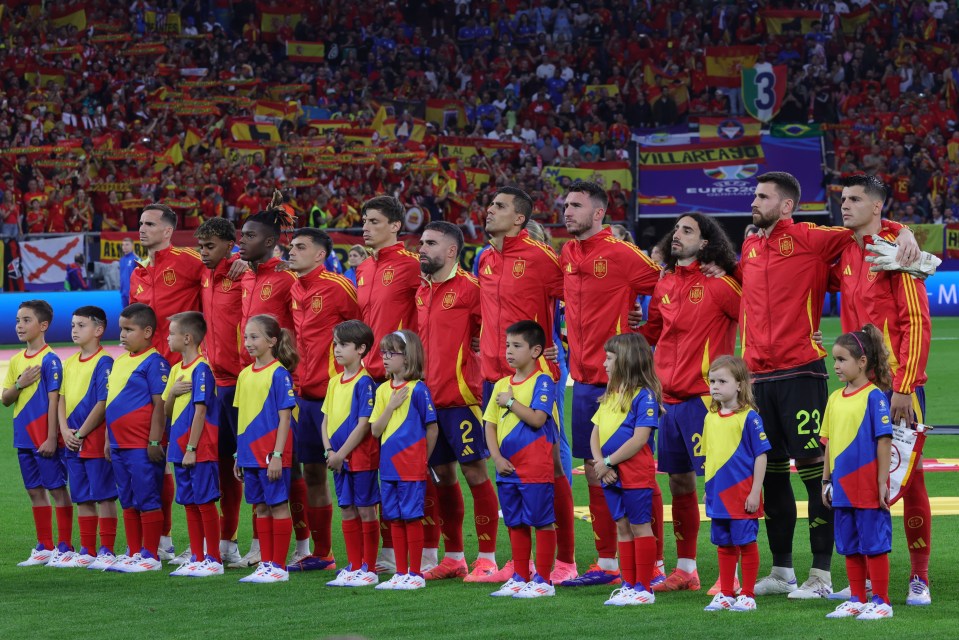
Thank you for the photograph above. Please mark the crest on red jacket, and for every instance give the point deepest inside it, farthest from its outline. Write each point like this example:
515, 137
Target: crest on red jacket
600, 268
519, 268
786, 245
169, 277
316, 303
696, 293
226, 284
448, 299
387, 277
265, 291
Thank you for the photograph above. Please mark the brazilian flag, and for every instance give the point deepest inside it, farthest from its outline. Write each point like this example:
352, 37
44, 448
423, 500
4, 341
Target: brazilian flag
797, 130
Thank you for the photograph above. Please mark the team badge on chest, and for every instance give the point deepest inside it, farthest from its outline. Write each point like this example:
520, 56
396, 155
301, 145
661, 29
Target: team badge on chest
448, 299
316, 303
169, 277
519, 268
226, 284
786, 246
600, 268
387, 277
266, 291
696, 293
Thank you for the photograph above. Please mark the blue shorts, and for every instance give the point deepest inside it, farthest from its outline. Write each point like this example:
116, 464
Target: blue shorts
636, 505
402, 499
727, 532
139, 481
585, 404
357, 488
487, 391
307, 439
681, 437
461, 437
865, 531
198, 485
526, 504
91, 479
38, 471
259, 489
228, 415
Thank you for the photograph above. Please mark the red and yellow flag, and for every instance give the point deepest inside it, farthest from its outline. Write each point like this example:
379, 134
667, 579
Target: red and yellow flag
724, 64
850, 22
300, 51
71, 16
732, 128
245, 129
780, 20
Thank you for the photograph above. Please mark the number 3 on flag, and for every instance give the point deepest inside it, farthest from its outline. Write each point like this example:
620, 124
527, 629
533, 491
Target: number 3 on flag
763, 90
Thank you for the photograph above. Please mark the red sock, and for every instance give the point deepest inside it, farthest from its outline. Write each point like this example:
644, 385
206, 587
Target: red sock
452, 513
686, 524
750, 565
321, 528
400, 550
282, 533
563, 510
152, 523
879, 573
545, 552
65, 525
194, 527
728, 556
856, 572
485, 515
43, 521
917, 518
264, 529
645, 549
108, 533
386, 530
88, 533
657, 522
231, 494
166, 503
298, 512
521, 540
211, 529
627, 561
133, 530
353, 537
414, 542
604, 529
431, 517
371, 543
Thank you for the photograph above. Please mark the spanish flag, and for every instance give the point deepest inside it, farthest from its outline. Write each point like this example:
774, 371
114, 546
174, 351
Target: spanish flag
272, 19
275, 109
193, 138
724, 64
300, 51
393, 129
437, 111
71, 16
245, 129
43, 75
172, 156
851, 21
780, 20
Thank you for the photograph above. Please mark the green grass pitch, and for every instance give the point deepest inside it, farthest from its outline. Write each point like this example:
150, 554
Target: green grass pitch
42, 603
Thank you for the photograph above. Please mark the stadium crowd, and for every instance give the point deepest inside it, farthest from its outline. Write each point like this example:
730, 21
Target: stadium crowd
564, 81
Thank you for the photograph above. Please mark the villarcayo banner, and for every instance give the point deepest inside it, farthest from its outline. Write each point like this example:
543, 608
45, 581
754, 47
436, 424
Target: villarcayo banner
44, 262
907, 445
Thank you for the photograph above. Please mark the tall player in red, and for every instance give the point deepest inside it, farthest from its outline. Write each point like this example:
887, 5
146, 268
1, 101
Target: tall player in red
386, 288
169, 282
520, 279
785, 271
321, 300
692, 321
602, 277
222, 296
448, 317
897, 303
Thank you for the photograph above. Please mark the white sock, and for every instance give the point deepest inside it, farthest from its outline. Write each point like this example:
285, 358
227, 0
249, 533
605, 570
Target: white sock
226, 546
660, 564
431, 556
455, 555
786, 573
608, 564
686, 564
387, 553
255, 545
487, 556
303, 546
166, 542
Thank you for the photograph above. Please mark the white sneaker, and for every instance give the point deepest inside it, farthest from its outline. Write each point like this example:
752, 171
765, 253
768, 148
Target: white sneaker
185, 569
184, 558
62, 560
622, 597
411, 583
251, 559
260, 568
38, 556
209, 567
875, 611
362, 577
536, 588
510, 588
342, 578
118, 561
846, 593
145, 563
167, 551
272, 574
385, 561
81, 561
393, 583
720, 603
819, 585
774, 584
104, 559
744, 604
229, 552
919, 594
848, 609
123, 563
641, 596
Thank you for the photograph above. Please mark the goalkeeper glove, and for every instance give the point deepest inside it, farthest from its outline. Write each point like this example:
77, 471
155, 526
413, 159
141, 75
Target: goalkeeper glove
885, 259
